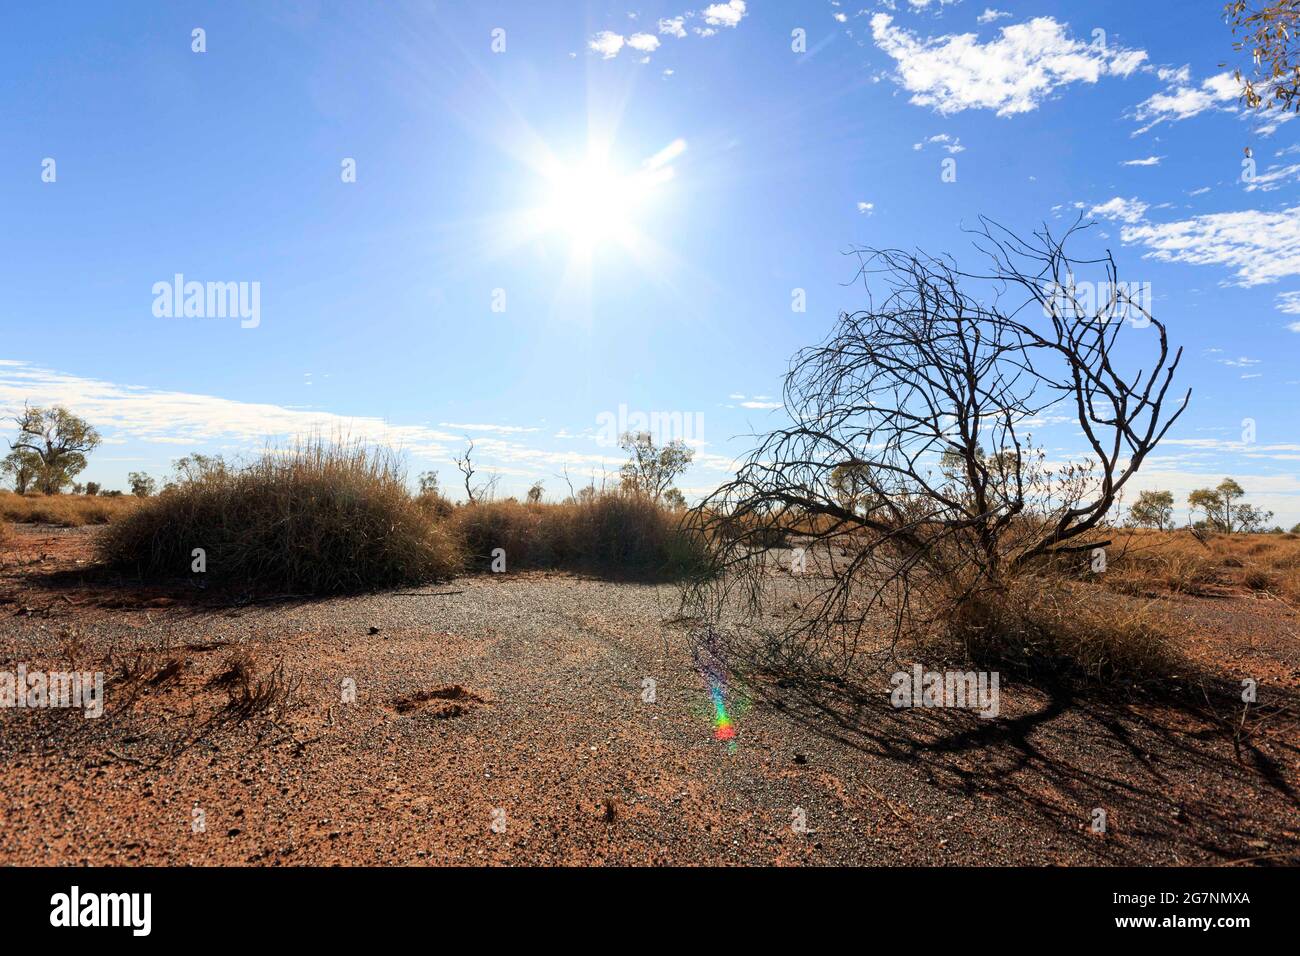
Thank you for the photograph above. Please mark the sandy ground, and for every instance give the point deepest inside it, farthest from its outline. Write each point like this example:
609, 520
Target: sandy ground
507, 720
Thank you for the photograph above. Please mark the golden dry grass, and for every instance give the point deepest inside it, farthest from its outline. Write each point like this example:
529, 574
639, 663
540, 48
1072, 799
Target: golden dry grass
320, 518
1145, 561
612, 534
66, 511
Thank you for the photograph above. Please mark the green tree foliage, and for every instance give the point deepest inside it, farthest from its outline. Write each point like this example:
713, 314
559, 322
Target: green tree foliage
652, 469
142, 486
428, 483
22, 466
1224, 512
59, 442
1153, 509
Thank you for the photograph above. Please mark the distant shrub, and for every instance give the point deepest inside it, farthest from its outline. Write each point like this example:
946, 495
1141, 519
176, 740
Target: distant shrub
321, 518
142, 486
435, 504
610, 534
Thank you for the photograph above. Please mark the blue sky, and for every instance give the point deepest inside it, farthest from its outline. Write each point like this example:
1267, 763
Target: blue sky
485, 276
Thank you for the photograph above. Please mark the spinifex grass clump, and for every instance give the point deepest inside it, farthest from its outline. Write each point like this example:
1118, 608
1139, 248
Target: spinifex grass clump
320, 518
610, 534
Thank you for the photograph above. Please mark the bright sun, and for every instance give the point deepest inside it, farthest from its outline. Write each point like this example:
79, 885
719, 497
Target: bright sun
595, 202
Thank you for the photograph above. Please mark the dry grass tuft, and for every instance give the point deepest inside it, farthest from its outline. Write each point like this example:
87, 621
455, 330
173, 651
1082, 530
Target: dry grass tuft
612, 534
1049, 624
1144, 562
65, 511
321, 518
252, 693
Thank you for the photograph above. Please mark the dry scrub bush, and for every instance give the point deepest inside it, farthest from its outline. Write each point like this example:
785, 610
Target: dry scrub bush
320, 518
1046, 622
611, 534
926, 511
65, 511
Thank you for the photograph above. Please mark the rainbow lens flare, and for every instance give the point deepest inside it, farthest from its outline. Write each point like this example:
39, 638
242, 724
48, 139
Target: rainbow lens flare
709, 662
723, 728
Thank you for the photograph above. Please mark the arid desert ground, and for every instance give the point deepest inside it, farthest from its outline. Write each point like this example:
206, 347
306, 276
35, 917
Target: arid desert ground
545, 717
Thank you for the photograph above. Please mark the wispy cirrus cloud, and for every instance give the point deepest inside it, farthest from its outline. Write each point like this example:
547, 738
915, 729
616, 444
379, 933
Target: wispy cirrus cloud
186, 421
1289, 302
141, 413
1182, 99
1259, 246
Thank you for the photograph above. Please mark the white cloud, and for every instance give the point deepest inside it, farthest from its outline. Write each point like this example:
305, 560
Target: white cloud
990, 15
673, 26
183, 418
724, 14
184, 421
761, 405
606, 43
1012, 74
645, 42
866, 208
1270, 120
1149, 161
949, 143
1121, 210
1262, 247
1182, 101
1274, 178
503, 429
1289, 302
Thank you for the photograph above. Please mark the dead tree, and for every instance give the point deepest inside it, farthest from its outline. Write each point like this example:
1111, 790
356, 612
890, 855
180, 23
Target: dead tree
475, 493
466, 468
923, 403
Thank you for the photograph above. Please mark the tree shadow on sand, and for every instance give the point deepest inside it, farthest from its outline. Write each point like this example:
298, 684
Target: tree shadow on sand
1182, 776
